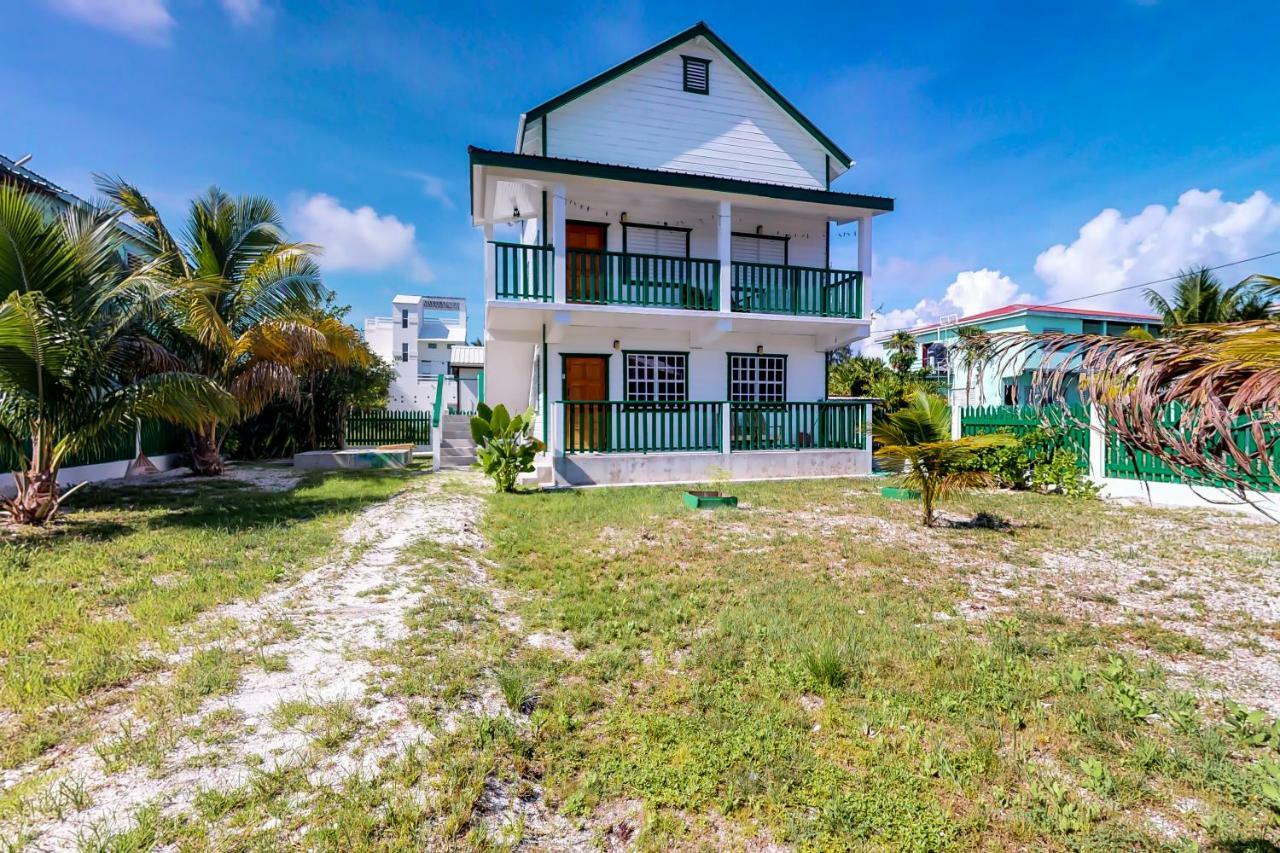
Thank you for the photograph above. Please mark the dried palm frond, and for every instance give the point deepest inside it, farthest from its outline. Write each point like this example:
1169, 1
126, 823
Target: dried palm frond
1205, 399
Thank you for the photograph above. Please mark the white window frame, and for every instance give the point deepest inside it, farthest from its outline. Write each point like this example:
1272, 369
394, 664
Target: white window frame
644, 379
757, 378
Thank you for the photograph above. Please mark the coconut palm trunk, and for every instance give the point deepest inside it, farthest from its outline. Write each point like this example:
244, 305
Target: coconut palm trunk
206, 450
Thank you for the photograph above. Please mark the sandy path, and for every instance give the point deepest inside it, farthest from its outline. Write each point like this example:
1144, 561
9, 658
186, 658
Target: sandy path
339, 611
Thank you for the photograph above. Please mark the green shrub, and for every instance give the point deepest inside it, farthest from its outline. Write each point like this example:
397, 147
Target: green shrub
1041, 461
505, 446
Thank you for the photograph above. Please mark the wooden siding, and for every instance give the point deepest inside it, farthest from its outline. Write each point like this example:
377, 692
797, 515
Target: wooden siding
646, 119
532, 138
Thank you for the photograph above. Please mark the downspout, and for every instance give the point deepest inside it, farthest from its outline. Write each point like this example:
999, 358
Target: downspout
546, 404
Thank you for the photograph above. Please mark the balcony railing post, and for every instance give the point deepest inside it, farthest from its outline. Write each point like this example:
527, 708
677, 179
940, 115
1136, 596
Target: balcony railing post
726, 428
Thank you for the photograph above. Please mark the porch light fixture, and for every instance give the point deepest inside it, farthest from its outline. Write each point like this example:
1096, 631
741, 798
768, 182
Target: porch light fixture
623, 218
617, 344
759, 349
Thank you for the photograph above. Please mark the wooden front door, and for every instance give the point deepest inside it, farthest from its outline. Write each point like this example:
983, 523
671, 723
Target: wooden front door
584, 243
586, 377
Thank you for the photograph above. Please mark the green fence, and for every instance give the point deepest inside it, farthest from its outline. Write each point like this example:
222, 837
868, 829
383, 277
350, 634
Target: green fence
1120, 461
158, 438
1070, 426
1124, 462
383, 427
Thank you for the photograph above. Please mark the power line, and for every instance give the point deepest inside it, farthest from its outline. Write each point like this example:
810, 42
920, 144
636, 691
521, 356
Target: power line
1151, 283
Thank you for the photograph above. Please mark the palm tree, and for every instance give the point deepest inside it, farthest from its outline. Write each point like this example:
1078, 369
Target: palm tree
917, 440
242, 306
1200, 297
75, 362
974, 345
902, 352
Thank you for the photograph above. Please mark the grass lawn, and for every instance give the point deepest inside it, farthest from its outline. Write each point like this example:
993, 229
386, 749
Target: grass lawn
100, 598
817, 670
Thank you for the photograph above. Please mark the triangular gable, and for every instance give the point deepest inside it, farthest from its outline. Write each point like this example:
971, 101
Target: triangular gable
838, 156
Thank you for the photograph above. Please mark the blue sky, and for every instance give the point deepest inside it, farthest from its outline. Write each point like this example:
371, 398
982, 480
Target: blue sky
1152, 126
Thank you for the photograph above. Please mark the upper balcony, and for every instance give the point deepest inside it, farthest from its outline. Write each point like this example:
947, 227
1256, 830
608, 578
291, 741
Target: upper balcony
601, 277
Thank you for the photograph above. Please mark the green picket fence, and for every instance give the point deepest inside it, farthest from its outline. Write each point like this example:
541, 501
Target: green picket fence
1124, 462
378, 426
1072, 425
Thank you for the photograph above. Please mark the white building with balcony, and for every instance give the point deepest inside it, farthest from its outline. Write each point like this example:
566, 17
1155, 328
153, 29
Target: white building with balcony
667, 302
425, 339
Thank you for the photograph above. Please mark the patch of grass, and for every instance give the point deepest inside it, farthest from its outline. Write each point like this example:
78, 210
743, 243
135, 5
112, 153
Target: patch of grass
129, 566
703, 635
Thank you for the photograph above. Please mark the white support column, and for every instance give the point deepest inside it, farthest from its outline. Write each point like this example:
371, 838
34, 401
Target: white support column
490, 265
864, 261
555, 411
561, 268
726, 425
724, 242
1097, 445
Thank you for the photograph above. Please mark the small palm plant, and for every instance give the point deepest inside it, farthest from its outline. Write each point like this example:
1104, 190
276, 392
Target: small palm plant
917, 440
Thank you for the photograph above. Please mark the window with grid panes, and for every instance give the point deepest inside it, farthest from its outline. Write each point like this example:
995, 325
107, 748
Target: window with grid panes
657, 377
757, 378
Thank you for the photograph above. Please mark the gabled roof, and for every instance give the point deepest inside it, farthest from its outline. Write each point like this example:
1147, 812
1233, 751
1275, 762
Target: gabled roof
12, 172
699, 29
1029, 308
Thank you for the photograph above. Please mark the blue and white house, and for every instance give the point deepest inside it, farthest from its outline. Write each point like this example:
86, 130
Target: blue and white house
658, 278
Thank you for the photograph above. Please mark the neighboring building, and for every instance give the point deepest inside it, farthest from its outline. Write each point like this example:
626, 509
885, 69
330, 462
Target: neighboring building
425, 339
56, 200
1009, 381
668, 301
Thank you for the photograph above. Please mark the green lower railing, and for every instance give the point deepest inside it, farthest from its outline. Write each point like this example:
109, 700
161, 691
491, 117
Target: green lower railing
523, 272
786, 289
655, 281
378, 426
797, 426
625, 426
633, 426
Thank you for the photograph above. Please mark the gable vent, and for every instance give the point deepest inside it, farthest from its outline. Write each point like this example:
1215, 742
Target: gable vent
697, 75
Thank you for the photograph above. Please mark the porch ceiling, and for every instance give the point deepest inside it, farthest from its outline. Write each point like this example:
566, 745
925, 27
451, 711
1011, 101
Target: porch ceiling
503, 183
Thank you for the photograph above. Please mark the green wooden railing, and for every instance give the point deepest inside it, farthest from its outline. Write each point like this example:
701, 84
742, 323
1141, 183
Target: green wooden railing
797, 426
439, 403
785, 289
1128, 463
1071, 426
523, 272
378, 426
626, 426
658, 281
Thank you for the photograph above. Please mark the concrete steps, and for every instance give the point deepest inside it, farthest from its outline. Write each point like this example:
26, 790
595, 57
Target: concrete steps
457, 449
541, 477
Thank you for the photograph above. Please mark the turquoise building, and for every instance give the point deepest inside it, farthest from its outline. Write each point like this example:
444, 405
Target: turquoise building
1008, 382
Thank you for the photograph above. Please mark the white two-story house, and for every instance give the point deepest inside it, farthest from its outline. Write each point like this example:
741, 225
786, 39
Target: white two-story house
667, 301
425, 340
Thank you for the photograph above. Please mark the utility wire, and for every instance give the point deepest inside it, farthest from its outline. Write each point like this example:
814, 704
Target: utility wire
1152, 283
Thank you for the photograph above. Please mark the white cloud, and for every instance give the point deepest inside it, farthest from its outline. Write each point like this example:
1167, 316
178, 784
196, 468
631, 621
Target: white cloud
1112, 251
433, 188
146, 21
358, 239
244, 12
971, 292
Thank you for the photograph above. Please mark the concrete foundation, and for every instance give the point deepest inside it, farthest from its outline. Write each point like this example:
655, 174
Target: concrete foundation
623, 469
358, 458
1259, 504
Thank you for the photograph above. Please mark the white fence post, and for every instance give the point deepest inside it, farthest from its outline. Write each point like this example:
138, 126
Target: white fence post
1097, 446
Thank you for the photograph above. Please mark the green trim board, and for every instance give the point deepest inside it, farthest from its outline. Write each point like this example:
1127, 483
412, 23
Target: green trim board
659, 177
699, 29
